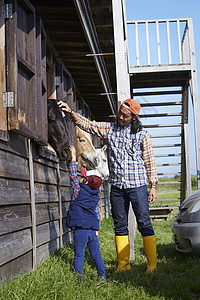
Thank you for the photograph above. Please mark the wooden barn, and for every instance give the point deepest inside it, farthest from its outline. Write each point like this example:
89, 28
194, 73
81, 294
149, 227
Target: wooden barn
77, 50
48, 49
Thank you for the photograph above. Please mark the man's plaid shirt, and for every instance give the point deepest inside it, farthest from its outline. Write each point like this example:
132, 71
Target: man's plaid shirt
130, 156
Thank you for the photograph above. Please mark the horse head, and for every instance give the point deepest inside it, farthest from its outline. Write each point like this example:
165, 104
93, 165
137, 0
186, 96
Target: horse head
58, 133
102, 166
86, 153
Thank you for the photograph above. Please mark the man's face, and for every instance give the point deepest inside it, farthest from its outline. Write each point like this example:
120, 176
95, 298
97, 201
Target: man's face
124, 116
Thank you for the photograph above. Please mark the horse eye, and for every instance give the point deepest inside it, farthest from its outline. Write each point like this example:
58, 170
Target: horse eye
104, 160
82, 140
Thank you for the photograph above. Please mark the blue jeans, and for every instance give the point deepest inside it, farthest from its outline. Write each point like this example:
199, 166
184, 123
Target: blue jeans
83, 237
120, 201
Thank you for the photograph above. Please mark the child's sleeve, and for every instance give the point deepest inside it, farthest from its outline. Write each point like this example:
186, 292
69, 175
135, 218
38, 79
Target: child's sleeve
98, 214
74, 179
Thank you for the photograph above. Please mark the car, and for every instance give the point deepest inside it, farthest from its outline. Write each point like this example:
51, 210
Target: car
186, 228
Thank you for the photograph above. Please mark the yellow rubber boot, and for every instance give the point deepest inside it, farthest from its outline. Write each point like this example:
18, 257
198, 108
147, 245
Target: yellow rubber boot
123, 252
150, 251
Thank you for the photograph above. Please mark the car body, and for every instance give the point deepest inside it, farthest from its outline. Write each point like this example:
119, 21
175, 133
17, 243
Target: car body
186, 228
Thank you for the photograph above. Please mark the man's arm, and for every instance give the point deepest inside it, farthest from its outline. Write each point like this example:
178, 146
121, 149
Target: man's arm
150, 164
98, 128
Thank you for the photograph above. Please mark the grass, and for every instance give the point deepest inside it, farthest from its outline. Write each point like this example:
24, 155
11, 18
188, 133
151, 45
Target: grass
177, 276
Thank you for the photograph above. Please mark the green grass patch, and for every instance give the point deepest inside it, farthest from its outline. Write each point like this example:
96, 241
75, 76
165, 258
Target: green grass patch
177, 276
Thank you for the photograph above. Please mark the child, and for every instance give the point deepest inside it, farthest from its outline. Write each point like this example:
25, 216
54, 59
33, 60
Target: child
82, 216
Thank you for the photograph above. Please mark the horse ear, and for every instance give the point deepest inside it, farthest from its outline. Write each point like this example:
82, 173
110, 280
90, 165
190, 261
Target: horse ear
104, 148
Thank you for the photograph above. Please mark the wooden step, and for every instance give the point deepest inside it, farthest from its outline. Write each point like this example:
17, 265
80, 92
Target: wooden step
161, 212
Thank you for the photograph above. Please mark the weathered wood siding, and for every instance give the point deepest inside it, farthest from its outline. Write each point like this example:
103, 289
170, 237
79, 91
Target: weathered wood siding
35, 189
51, 184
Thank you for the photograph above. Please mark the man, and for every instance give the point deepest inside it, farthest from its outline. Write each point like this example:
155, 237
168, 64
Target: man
131, 161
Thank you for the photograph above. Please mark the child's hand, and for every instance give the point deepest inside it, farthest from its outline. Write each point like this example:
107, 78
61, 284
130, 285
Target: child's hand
73, 152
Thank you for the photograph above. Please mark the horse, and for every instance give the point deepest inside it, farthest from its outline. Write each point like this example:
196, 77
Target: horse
60, 140
86, 152
102, 166
58, 132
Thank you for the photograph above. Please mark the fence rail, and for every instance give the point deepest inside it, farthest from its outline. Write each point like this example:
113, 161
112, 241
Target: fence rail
164, 41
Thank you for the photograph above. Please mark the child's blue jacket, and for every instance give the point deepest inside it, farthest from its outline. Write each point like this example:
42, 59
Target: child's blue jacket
82, 213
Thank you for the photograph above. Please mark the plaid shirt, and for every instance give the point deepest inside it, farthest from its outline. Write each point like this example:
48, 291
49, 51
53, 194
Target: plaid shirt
76, 186
131, 158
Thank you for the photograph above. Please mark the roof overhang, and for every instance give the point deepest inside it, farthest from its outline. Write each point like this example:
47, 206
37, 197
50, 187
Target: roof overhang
82, 33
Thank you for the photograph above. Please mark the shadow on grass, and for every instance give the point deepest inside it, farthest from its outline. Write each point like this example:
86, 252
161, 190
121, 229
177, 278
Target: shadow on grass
177, 275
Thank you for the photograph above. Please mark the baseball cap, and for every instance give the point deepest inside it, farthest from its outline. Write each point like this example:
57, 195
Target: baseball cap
93, 178
132, 105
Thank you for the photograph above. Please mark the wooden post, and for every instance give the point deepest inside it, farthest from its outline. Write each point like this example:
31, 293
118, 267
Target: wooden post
60, 205
123, 81
185, 164
194, 94
32, 195
3, 123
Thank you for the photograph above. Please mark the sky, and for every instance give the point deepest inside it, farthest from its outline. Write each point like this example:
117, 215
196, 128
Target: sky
171, 9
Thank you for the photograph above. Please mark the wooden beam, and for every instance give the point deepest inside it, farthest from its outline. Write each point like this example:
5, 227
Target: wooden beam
32, 195
3, 114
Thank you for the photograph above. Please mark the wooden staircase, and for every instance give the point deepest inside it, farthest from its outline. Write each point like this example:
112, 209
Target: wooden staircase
162, 90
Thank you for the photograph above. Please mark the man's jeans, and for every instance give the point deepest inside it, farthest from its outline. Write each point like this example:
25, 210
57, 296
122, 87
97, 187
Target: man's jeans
120, 200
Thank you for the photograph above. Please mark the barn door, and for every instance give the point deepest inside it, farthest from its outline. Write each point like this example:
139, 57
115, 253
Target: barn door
21, 68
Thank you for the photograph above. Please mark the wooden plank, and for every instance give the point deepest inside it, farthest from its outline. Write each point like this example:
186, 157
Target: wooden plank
14, 192
147, 41
47, 249
169, 145
44, 174
163, 125
22, 265
51, 87
45, 193
46, 212
158, 42
194, 94
14, 244
157, 20
185, 168
160, 68
121, 48
14, 217
32, 194
47, 232
64, 178
137, 44
66, 194
65, 207
11, 44
179, 42
169, 43
161, 115
13, 166
3, 114
60, 206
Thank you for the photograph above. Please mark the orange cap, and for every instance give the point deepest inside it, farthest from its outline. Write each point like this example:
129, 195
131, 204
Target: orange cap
132, 105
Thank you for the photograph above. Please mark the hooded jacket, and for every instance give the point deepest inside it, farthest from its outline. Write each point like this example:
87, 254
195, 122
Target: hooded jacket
81, 213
